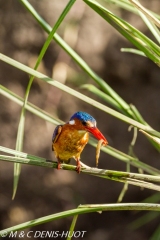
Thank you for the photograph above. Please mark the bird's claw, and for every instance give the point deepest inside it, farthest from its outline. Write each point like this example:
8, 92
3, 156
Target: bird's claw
59, 165
78, 168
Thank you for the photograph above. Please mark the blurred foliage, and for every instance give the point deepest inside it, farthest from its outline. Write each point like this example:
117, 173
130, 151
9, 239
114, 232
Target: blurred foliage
125, 112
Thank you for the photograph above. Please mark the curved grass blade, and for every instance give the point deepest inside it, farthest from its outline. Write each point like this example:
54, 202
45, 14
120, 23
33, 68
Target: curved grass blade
104, 96
145, 12
72, 227
83, 209
156, 234
141, 180
132, 50
155, 139
103, 85
78, 95
126, 158
111, 101
150, 49
125, 4
130, 152
154, 30
29, 106
141, 221
47, 117
20, 134
148, 216
106, 88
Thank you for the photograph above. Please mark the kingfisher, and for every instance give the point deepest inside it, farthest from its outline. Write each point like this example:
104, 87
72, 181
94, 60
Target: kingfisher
69, 139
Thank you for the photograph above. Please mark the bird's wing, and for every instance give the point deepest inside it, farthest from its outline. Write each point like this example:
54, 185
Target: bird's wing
56, 134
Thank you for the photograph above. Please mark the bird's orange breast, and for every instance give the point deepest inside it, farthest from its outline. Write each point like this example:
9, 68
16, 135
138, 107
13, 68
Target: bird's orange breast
70, 142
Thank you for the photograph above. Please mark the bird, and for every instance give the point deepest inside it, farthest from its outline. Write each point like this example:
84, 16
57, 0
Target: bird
69, 139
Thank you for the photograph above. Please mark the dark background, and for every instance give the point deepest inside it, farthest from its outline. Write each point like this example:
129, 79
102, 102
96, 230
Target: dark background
43, 191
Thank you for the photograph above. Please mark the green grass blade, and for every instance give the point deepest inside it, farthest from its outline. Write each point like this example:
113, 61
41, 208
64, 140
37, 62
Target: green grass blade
104, 96
145, 12
108, 174
154, 30
83, 209
19, 146
111, 101
125, 187
79, 95
152, 198
122, 4
29, 106
149, 216
132, 50
141, 180
137, 115
80, 61
156, 234
103, 85
47, 117
71, 230
122, 193
125, 4
155, 139
126, 158
19, 142
150, 49
146, 218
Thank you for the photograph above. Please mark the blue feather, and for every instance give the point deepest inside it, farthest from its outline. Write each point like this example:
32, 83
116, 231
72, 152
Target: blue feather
83, 116
55, 132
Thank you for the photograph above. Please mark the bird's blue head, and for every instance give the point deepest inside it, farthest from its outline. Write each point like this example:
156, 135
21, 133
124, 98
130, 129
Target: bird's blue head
89, 124
84, 118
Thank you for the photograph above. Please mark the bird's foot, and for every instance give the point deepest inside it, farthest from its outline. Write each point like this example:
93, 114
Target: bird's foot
78, 168
59, 165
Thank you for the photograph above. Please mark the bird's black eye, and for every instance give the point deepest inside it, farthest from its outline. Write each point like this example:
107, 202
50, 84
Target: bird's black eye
84, 123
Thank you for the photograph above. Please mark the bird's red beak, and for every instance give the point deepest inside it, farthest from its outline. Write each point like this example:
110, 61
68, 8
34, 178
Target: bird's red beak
95, 131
